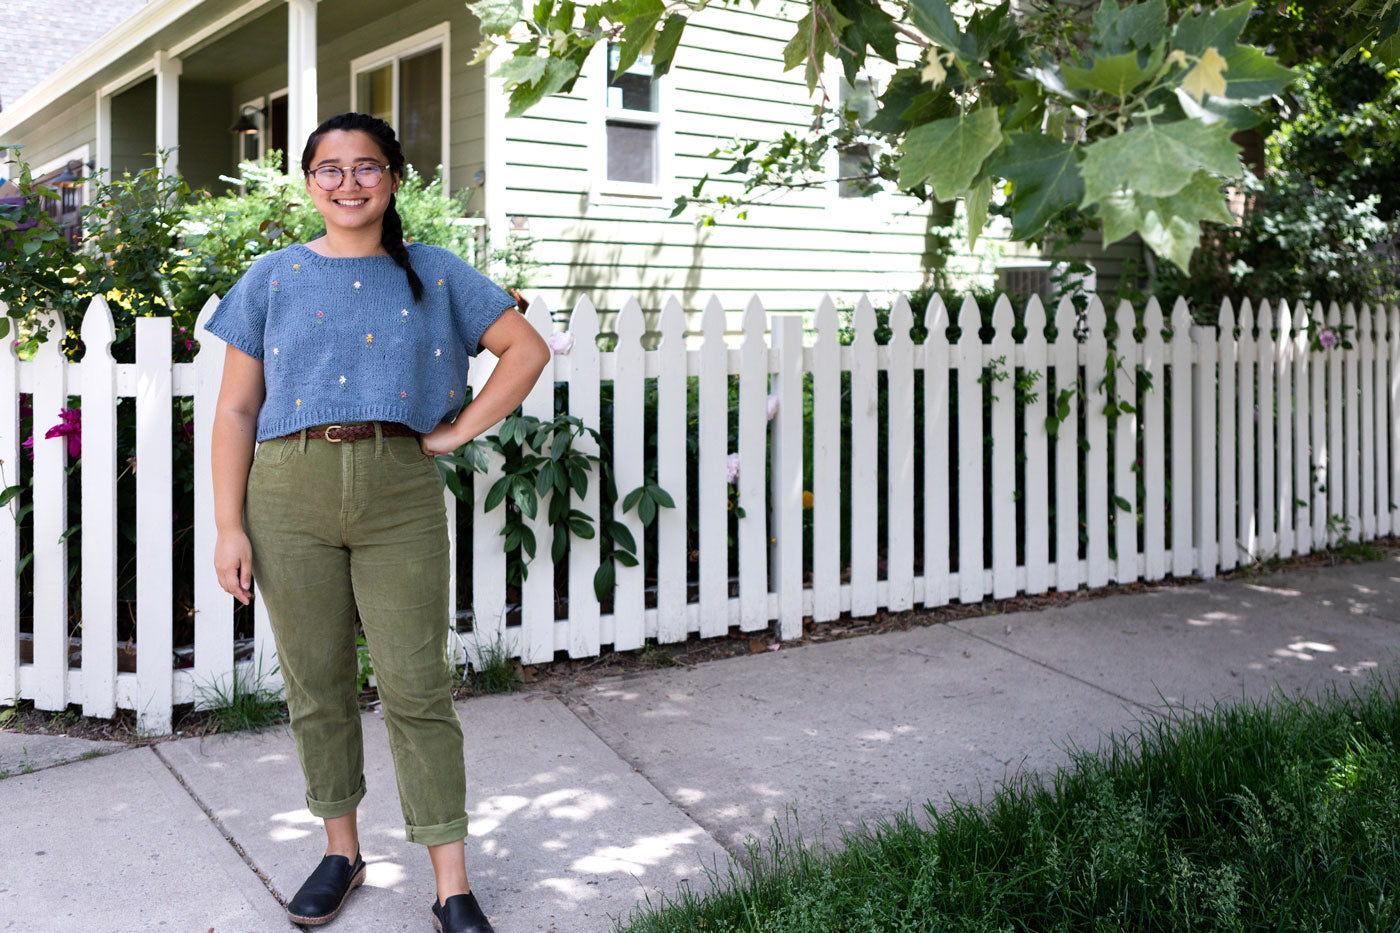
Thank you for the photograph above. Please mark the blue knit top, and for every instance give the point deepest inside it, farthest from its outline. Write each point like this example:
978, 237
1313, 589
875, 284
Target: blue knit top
341, 339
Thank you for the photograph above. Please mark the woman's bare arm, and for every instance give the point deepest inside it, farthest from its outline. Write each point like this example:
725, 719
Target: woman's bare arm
234, 435
521, 356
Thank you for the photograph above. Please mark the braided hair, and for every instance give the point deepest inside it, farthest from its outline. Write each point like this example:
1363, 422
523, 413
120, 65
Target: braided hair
383, 134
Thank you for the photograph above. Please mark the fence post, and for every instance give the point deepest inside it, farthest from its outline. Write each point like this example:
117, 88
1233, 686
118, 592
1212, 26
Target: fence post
9, 528
629, 472
865, 491
899, 472
714, 448
936, 525
672, 419
753, 451
154, 545
1302, 417
1002, 358
1283, 433
99, 561
1036, 440
1204, 450
827, 533
1125, 435
1228, 551
1246, 527
488, 585
584, 633
1065, 354
50, 521
1096, 457
970, 439
1182, 493
537, 590
786, 551
1366, 377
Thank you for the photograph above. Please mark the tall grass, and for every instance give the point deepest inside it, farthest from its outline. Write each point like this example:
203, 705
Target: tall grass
1277, 815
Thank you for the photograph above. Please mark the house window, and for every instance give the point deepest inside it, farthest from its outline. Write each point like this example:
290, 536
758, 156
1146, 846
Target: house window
405, 85
853, 162
270, 115
66, 209
632, 121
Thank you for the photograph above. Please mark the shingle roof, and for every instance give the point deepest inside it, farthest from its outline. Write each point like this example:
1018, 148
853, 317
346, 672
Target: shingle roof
39, 36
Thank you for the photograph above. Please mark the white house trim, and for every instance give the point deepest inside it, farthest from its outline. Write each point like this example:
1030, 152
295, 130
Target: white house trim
602, 190
193, 43
439, 35
102, 131
167, 70
303, 110
493, 182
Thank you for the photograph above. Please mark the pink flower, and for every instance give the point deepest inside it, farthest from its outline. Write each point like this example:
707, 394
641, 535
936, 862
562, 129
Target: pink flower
70, 426
561, 342
731, 467
774, 403
1328, 338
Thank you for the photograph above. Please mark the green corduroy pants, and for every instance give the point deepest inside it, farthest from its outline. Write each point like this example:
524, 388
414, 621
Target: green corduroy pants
341, 525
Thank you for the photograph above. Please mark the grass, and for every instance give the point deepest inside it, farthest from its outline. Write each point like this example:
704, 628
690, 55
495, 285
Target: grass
493, 670
241, 701
1278, 815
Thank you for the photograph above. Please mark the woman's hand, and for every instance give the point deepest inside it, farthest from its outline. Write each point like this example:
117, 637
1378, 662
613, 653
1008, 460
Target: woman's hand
233, 564
443, 439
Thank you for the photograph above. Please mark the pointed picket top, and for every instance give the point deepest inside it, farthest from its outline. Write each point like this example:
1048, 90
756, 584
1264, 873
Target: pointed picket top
936, 320
712, 320
540, 317
901, 320
1003, 318
969, 321
1285, 322
1096, 319
826, 320
1181, 320
1226, 320
864, 320
99, 330
1264, 320
1300, 318
1066, 316
1126, 321
629, 324
672, 322
51, 348
205, 311
1152, 323
1334, 316
1246, 320
1035, 322
755, 320
583, 323
1363, 321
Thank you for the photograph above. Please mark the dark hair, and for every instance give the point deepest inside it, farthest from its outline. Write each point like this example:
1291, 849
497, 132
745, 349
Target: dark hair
383, 134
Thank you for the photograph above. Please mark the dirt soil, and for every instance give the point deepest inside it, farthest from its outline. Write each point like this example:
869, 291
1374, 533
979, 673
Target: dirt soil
564, 675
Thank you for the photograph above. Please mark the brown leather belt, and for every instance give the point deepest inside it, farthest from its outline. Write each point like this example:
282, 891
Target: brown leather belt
349, 432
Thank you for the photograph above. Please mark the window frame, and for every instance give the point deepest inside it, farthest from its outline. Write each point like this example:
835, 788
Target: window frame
885, 200
53, 166
603, 190
439, 36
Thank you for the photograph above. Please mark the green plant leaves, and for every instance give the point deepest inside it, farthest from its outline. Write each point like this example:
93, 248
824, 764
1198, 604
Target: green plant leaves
557, 73
1157, 159
949, 153
497, 16
1045, 180
1118, 75
1172, 228
935, 20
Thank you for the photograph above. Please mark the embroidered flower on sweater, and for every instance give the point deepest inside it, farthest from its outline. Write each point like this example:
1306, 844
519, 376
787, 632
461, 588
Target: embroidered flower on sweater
369, 341
342, 383
320, 317
357, 288
440, 282
274, 286
403, 316
274, 353
451, 393
296, 268
437, 355
403, 394
298, 403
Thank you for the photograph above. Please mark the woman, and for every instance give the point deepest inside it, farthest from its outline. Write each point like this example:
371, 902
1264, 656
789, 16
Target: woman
345, 356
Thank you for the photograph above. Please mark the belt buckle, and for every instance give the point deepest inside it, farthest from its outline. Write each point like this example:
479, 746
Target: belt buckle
332, 427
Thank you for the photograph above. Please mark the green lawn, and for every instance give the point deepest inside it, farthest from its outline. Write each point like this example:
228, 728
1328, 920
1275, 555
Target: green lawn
1282, 815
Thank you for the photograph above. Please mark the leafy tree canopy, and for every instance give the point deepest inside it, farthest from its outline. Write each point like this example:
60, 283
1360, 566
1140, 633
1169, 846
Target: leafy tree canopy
1122, 115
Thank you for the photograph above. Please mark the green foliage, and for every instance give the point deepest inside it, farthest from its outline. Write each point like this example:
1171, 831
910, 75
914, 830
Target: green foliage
494, 670
1130, 111
39, 267
240, 701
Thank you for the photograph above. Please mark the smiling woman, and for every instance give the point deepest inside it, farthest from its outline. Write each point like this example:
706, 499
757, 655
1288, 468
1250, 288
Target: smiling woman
350, 374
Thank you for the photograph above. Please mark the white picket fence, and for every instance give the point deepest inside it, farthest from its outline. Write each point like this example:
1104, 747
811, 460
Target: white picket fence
1270, 449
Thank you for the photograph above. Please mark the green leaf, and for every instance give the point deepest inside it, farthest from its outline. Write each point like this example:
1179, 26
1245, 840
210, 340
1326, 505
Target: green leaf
977, 201
1219, 27
624, 558
542, 10
1045, 180
949, 153
935, 20
559, 545
563, 16
646, 510
660, 496
627, 503
9, 492
1171, 226
1252, 77
527, 541
521, 69
1122, 503
1118, 75
580, 528
562, 440
603, 579
638, 33
525, 96
1134, 26
497, 16
664, 51
622, 535
1157, 159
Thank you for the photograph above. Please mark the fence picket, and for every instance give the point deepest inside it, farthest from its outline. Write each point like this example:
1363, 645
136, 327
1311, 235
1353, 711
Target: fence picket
1205, 462
1125, 435
1336, 507
865, 491
584, 634
1380, 421
899, 472
970, 535
537, 591
1283, 432
937, 588
1037, 469
786, 553
1264, 423
1228, 551
714, 449
1065, 356
488, 556
1246, 523
1096, 457
826, 465
1392, 424
753, 451
50, 519
1002, 385
154, 542
1154, 444
1366, 378
1302, 443
99, 536
1351, 443
1183, 494
9, 530
1321, 367
672, 418
629, 472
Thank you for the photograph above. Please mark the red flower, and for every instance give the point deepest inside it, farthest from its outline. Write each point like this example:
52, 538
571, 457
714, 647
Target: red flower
70, 426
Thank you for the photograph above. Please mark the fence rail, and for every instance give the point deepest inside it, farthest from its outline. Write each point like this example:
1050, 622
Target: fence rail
937, 471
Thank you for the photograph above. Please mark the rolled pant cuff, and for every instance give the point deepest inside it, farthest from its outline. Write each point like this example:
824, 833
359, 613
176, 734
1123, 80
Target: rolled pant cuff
330, 809
438, 833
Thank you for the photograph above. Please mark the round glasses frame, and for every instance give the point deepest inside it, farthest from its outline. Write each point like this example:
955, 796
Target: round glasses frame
330, 177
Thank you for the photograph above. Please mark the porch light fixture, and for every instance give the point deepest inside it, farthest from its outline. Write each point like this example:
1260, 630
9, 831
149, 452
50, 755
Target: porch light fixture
245, 124
72, 174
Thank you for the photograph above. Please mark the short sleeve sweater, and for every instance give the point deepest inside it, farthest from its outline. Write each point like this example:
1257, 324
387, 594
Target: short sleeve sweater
341, 339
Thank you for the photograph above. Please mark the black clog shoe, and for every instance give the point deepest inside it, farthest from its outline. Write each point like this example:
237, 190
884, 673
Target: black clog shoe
460, 914
323, 893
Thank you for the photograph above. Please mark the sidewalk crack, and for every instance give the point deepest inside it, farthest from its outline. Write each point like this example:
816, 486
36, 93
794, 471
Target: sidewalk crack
1050, 667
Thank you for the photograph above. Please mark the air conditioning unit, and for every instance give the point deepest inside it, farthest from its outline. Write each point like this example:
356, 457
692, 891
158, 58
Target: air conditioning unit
1024, 278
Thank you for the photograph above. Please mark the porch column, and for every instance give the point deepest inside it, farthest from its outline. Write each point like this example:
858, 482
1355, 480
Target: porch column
167, 69
303, 113
102, 130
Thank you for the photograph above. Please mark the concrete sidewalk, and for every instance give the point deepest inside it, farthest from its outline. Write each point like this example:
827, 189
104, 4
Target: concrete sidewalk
584, 805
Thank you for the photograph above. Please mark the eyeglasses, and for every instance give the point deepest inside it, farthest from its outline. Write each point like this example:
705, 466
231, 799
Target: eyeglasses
367, 175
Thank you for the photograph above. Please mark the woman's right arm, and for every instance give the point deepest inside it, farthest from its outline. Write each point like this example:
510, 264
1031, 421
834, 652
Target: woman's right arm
231, 454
